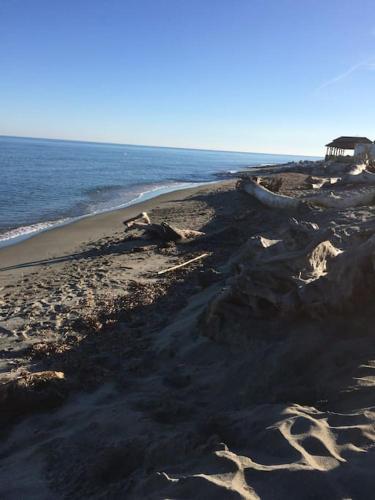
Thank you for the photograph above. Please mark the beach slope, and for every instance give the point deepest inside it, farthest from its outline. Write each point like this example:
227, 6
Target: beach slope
240, 375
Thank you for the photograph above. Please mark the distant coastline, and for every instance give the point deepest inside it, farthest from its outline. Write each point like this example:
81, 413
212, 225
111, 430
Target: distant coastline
21, 234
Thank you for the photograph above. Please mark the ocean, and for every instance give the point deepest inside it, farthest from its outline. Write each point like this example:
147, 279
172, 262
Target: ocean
44, 182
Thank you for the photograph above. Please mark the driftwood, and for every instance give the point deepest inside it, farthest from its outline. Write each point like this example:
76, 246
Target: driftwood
320, 168
140, 218
166, 232
324, 200
356, 169
357, 174
363, 177
163, 231
332, 200
183, 264
268, 198
318, 182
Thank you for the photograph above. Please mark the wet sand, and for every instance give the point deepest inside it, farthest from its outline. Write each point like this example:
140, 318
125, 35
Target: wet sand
70, 238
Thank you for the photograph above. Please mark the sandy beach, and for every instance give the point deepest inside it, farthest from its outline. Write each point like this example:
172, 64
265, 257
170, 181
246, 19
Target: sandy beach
52, 275
240, 375
70, 238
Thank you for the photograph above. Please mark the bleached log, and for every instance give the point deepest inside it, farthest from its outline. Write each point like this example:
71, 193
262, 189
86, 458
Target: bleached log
140, 218
339, 202
319, 182
331, 200
268, 198
167, 232
364, 177
357, 169
356, 175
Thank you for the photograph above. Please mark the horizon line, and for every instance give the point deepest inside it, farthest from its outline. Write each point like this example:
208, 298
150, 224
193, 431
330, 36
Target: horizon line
154, 146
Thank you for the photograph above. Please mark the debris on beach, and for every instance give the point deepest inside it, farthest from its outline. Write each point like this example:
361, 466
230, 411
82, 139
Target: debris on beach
163, 231
353, 188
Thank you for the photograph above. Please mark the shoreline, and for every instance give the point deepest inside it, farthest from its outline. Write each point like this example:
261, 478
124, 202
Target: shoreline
40, 227
71, 236
43, 226
24, 220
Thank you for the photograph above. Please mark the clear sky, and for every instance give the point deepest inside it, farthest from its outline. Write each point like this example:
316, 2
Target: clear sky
283, 76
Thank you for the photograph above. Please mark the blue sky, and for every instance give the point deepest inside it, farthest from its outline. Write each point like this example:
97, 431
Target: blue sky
282, 76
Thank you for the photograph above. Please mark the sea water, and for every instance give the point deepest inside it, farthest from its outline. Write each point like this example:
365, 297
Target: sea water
46, 182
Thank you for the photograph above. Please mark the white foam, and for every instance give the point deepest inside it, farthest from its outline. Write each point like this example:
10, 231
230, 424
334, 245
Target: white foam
23, 232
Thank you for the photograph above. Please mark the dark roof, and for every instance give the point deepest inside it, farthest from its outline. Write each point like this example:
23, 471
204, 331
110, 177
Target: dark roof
347, 142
